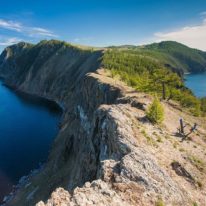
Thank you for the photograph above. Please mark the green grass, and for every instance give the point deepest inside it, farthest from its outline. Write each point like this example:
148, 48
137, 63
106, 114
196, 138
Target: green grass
149, 139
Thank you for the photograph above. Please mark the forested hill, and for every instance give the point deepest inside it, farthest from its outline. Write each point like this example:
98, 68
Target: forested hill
146, 68
180, 56
174, 55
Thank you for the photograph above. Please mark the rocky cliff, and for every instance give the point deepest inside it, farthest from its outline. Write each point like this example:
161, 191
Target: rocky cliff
106, 152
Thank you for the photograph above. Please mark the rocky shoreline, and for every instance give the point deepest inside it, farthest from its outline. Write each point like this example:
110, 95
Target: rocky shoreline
23, 182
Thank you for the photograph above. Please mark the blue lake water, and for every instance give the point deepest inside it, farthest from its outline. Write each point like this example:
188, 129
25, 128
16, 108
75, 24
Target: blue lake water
28, 126
197, 83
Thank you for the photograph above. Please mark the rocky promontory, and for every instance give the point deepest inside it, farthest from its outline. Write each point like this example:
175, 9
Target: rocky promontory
106, 152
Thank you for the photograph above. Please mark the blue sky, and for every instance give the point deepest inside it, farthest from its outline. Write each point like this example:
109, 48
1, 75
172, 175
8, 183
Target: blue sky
104, 22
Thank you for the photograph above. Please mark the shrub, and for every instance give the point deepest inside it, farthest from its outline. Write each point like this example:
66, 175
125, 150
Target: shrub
155, 112
159, 202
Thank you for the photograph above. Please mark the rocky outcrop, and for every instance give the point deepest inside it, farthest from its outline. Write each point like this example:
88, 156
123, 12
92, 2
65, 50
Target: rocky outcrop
99, 156
126, 173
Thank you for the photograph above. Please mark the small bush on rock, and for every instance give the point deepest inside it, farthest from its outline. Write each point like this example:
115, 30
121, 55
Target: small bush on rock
159, 202
155, 112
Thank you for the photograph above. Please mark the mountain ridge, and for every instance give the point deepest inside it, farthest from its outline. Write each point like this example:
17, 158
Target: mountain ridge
171, 48
173, 54
106, 152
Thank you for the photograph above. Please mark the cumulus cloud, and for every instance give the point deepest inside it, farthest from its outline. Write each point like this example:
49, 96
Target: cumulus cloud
192, 36
9, 41
30, 31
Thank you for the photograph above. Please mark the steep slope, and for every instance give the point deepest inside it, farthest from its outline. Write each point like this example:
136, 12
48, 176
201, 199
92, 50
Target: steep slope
48, 68
106, 152
137, 163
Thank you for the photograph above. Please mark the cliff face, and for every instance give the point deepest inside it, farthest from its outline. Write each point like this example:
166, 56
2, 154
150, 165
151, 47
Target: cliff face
106, 152
50, 69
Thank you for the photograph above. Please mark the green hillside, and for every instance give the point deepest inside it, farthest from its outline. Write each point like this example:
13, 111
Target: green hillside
179, 56
173, 55
151, 69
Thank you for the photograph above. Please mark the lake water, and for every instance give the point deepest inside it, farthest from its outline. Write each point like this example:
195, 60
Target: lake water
197, 83
28, 126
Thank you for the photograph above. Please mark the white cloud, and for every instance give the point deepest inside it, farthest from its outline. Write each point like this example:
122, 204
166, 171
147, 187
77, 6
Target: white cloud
10, 25
9, 41
30, 31
36, 31
192, 36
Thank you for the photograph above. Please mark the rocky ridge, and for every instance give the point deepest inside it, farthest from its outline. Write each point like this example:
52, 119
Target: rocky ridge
106, 152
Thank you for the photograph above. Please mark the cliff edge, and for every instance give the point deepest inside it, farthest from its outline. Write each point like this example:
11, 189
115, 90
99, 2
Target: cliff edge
106, 152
